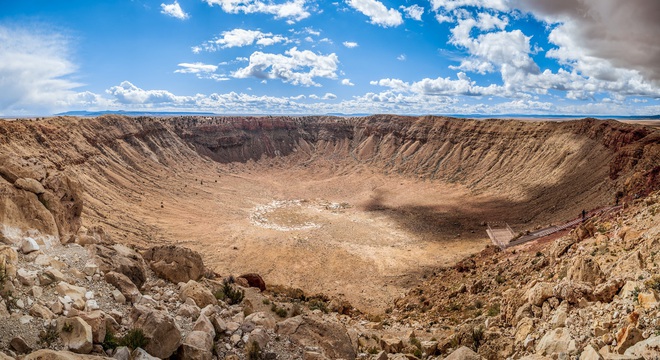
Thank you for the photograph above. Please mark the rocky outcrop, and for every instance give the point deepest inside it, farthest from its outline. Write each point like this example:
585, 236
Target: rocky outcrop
120, 259
175, 263
253, 280
159, 328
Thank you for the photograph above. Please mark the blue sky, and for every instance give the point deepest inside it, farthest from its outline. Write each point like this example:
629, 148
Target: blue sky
597, 57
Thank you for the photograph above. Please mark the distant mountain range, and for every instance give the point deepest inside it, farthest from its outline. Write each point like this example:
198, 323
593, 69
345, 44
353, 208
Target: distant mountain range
85, 113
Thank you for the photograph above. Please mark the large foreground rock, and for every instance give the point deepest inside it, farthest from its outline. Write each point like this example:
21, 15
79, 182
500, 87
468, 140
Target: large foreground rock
163, 333
47, 354
197, 346
199, 293
174, 263
332, 338
119, 258
463, 353
556, 341
254, 280
76, 334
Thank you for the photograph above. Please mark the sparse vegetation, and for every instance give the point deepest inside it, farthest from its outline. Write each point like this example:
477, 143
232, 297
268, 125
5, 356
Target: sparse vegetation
477, 337
48, 336
228, 294
67, 327
494, 310
134, 339
317, 304
253, 351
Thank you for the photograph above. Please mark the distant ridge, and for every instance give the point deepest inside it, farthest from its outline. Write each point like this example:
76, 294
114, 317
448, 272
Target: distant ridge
85, 113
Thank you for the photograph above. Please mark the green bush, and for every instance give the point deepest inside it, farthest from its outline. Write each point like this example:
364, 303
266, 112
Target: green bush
134, 339
494, 310
228, 294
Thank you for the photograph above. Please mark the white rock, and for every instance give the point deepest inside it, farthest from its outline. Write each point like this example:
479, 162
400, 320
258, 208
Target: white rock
91, 305
29, 245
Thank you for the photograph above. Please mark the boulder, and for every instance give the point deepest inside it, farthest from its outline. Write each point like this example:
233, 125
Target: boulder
647, 300
204, 324
627, 337
163, 333
525, 327
573, 291
197, 292
120, 259
76, 334
605, 292
585, 269
98, 321
30, 185
196, 346
391, 344
288, 326
75, 293
19, 345
589, 353
141, 354
29, 245
463, 353
47, 354
124, 284
556, 341
254, 280
261, 318
41, 311
174, 263
328, 336
559, 317
647, 349
540, 292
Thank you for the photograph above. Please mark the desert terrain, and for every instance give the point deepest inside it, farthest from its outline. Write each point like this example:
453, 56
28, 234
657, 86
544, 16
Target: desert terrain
360, 208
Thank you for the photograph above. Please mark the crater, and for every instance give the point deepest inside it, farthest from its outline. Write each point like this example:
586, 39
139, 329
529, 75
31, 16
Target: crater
358, 208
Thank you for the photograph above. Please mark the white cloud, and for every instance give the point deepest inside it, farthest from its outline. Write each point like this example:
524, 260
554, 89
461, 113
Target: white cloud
377, 12
350, 44
240, 38
293, 10
450, 5
347, 82
401, 57
414, 11
127, 93
201, 71
295, 67
34, 69
196, 68
174, 10
329, 96
440, 86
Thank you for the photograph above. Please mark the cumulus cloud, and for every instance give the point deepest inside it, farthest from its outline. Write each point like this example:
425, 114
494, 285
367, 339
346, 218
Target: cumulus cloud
596, 27
295, 67
414, 11
440, 86
347, 82
201, 71
240, 38
34, 69
174, 10
127, 93
329, 96
350, 44
293, 10
378, 13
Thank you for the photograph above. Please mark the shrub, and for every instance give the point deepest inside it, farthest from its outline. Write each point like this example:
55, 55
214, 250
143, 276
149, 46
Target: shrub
48, 336
110, 341
494, 310
229, 294
281, 312
500, 279
477, 337
253, 351
318, 304
134, 339
478, 304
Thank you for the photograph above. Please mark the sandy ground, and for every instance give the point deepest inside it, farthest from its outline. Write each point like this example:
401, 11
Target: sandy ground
348, 232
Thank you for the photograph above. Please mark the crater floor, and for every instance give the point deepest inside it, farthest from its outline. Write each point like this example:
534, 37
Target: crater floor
354, 233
